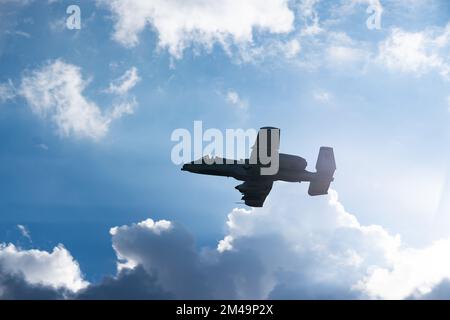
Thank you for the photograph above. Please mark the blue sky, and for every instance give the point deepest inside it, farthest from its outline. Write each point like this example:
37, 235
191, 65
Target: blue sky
86, 118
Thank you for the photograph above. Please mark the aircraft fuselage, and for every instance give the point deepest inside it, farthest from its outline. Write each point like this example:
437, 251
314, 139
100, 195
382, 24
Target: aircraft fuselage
291, 169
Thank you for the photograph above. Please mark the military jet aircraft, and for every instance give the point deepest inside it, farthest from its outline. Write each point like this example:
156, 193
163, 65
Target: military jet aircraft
257, 184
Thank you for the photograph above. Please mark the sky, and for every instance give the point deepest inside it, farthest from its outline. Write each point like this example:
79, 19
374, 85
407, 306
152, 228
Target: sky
93, 207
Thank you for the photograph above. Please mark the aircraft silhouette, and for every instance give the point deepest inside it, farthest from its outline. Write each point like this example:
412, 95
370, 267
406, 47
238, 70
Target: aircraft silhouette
257, 185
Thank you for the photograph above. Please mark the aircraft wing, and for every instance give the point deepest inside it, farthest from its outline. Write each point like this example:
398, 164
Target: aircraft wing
255, 192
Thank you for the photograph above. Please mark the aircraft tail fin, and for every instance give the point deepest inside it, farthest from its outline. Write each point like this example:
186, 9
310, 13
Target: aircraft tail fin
325, 167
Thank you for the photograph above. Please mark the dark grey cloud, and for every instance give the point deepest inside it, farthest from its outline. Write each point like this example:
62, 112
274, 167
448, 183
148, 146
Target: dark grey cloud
170, 266
298, 286
15, 287
134, 284
441, 291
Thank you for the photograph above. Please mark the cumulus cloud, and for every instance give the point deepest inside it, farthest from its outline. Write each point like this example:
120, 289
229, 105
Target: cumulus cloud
286, 250
181, 24
417, 52
38, 271
167, 252
333, 252
290, 249
322, 250
56, 91
412, 272
15, 287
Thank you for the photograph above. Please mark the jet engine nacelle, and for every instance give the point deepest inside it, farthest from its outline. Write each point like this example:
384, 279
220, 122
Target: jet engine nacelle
291, 162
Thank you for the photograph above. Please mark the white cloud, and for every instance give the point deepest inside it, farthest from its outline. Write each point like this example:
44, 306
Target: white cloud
291, 48
344, 54
268, 48
55, 91
413, 272
56, 269
225, 244
24, 231
341, 49
234, 99
417, 52
7, 91
125, 83
163, 249
381, 266
123, 108
126, 261
181, 24
310, 17
334, 50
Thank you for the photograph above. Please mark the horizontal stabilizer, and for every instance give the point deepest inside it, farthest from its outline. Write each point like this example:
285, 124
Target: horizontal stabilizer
319, 187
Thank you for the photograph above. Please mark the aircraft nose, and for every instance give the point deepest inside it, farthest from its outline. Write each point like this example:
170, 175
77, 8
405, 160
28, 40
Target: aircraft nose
187, 167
